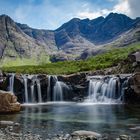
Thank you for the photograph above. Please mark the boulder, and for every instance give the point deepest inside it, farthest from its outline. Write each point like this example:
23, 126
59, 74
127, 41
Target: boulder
134, 59
125, 137
135, 56
135, 83
9, 123
8, 102
83, 133
132, 92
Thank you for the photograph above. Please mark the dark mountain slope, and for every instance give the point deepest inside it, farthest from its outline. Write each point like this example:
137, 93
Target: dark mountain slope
45, 37
98, 31
14, 43
74, 39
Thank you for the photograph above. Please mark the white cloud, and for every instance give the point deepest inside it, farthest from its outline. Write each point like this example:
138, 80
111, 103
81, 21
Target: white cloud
92, 15
134, 6
87, 14
122, 7
21, 14
127, 7
48, 14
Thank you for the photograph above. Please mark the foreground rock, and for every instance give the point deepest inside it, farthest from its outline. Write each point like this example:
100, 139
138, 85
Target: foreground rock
8, 123
132, 94
135, 83
10, 133
8, 102
124, 137
88, 134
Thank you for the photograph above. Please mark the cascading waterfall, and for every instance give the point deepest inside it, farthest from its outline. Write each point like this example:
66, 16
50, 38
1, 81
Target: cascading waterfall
11, 83
102, 89
39, 91
35, 82
106, 90
48, 88
122, 89
25, 78
32, 91
58, 90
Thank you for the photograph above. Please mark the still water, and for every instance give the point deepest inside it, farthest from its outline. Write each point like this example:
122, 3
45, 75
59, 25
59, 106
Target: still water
56, 118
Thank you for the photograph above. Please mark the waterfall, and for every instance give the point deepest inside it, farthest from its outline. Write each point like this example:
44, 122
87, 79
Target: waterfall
106, 89
32, 91
58, 90
25, 78
39, 91
111, 88
11, 83
35, 83
49, 88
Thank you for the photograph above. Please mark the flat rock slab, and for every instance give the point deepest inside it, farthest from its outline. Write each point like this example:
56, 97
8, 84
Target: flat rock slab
86, 134
135, 128
6, 123
9, 123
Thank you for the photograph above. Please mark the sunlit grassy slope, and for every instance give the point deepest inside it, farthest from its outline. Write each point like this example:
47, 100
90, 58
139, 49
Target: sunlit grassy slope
7, 62
101, 61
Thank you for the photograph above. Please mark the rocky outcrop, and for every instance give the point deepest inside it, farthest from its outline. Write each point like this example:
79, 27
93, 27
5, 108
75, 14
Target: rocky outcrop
78, 84
130, 65
135, 59
132, 94
8, 102
135, 83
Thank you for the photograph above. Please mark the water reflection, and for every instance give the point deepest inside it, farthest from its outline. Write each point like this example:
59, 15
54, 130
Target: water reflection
59, 118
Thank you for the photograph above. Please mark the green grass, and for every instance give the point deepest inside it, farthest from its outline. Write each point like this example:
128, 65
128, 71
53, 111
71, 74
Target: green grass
98, 62
7, 62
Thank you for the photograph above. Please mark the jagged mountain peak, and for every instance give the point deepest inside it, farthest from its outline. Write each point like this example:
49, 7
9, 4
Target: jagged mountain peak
5, 16
116, 15
5, 19
73, 37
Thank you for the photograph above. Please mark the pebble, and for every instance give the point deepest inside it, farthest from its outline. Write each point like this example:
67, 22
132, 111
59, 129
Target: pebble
9, 134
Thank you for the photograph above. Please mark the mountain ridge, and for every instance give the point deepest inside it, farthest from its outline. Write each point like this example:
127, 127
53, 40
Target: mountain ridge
70, 40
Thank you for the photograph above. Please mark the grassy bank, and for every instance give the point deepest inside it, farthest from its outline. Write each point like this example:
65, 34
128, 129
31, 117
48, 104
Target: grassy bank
102, 61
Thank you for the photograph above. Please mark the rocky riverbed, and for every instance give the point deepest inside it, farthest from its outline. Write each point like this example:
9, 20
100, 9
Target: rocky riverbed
12, 131
7, 134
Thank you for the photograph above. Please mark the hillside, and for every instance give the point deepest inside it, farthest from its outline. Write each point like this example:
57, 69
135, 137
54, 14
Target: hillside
15, 44
114, 58
76, 39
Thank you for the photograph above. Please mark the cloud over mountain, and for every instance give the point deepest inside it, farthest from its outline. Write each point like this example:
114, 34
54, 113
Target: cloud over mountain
50, 14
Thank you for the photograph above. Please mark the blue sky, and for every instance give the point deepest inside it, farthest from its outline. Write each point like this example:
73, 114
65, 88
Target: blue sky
50, 14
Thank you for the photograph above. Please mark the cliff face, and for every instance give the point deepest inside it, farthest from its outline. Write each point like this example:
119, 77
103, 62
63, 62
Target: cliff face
15, 44
74, 87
